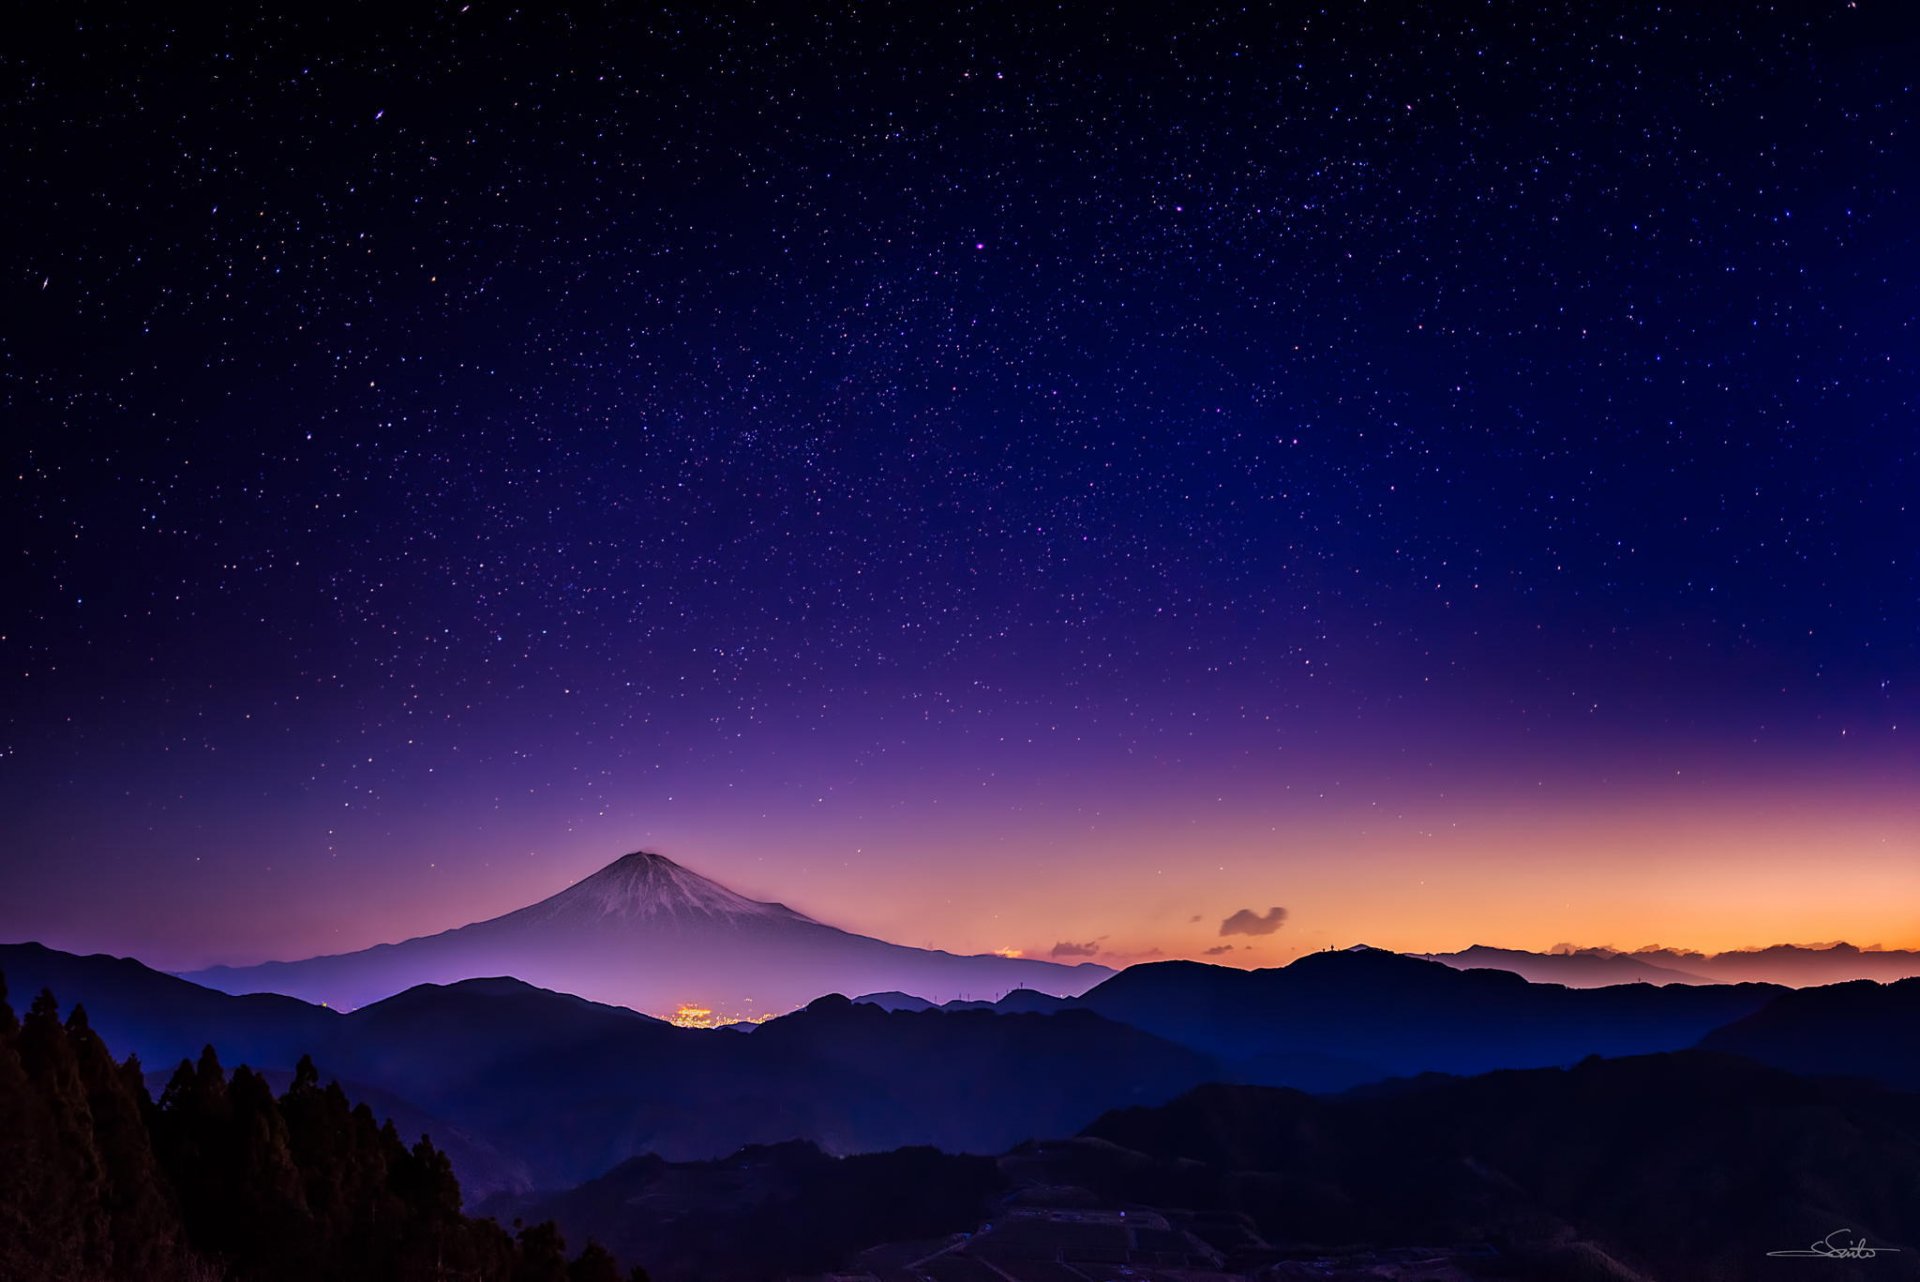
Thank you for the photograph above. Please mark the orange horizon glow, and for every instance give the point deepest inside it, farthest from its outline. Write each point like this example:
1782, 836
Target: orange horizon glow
1708, 869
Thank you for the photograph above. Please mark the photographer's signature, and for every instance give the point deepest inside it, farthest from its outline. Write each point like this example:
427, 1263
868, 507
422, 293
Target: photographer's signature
1837, 1246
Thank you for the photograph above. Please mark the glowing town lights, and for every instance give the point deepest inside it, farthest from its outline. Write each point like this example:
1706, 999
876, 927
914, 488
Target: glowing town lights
688, 1015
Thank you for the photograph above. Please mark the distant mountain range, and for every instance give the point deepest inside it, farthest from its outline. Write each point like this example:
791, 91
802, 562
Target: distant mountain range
545, 1089
648, 934
1789, 965
529, 1088
1020, 999
1332, 1020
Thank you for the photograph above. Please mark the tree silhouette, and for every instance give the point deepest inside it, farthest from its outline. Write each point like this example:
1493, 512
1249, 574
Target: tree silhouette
220, 1179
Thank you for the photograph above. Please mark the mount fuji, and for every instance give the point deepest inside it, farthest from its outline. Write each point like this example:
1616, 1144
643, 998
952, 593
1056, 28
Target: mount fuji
646, 933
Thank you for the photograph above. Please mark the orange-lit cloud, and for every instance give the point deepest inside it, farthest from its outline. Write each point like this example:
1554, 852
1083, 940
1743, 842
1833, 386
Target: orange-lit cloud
1248, 922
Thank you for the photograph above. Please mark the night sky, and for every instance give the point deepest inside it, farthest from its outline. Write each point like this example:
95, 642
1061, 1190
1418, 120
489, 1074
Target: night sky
990, 476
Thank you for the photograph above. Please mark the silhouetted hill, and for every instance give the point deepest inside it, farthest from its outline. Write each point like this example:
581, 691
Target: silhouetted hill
1584, 968
1335, 1019
1795, 965
1029, 999
646, 933
163, 1019
1684, 1166
490, 1058
1789, 965
966, 1081
853, 1078
1859, 1029
1688, 1165
1019, 1000
768, 1211
894, 1001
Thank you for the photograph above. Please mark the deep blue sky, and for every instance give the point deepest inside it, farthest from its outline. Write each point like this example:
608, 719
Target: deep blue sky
1006, 459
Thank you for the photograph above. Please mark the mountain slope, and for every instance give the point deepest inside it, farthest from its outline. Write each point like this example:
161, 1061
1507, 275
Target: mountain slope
1859, 1029
767, 1211
550, 1089
573, 1088
1795, 965
1790, 965
646, 933
1586, 968
1336, 1019
1686, 1165
164, 1019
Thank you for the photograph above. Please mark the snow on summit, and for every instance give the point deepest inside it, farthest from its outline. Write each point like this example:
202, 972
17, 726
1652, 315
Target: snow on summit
648, 886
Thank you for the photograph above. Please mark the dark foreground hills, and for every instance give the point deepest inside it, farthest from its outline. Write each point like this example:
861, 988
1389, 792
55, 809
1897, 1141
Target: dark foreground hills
1678, 1166
546, 1089
1858, 1028
769, 1211
1688, 1167
847, 1136
481, 1062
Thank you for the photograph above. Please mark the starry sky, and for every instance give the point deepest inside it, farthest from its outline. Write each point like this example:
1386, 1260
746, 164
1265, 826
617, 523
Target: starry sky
995, 476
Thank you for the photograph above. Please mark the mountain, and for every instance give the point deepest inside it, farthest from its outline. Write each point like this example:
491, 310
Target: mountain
1859, 1029
1789, 965
894, 1001
543, 1088
1583, 968
164, 1019
573, 1090
646, 933
1794, 965
1686, 1165
767, 1211
1331, 1020
1020, 999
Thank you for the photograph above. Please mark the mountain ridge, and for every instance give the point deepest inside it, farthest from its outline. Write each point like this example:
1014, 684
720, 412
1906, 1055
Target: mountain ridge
647, 933
1789, 965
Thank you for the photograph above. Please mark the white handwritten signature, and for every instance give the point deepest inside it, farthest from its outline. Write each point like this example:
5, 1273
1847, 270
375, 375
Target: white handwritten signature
1827, 1248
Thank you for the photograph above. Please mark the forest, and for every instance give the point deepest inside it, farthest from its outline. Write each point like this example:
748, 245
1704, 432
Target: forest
219, 1180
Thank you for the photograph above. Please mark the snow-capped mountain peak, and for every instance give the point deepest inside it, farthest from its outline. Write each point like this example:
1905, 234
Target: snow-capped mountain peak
646, 886
646, 933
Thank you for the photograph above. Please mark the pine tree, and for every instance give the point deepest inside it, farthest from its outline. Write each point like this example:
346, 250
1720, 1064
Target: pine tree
193, 1130
146, 1236
593, 1265
73, 1225
30, 1146
270, 1218
543, 1255
221, 1180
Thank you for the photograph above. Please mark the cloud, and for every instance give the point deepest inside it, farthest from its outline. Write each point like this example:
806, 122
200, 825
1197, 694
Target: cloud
1112, 958
1196, 919
1249, 922
1065, 949
1217, 949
